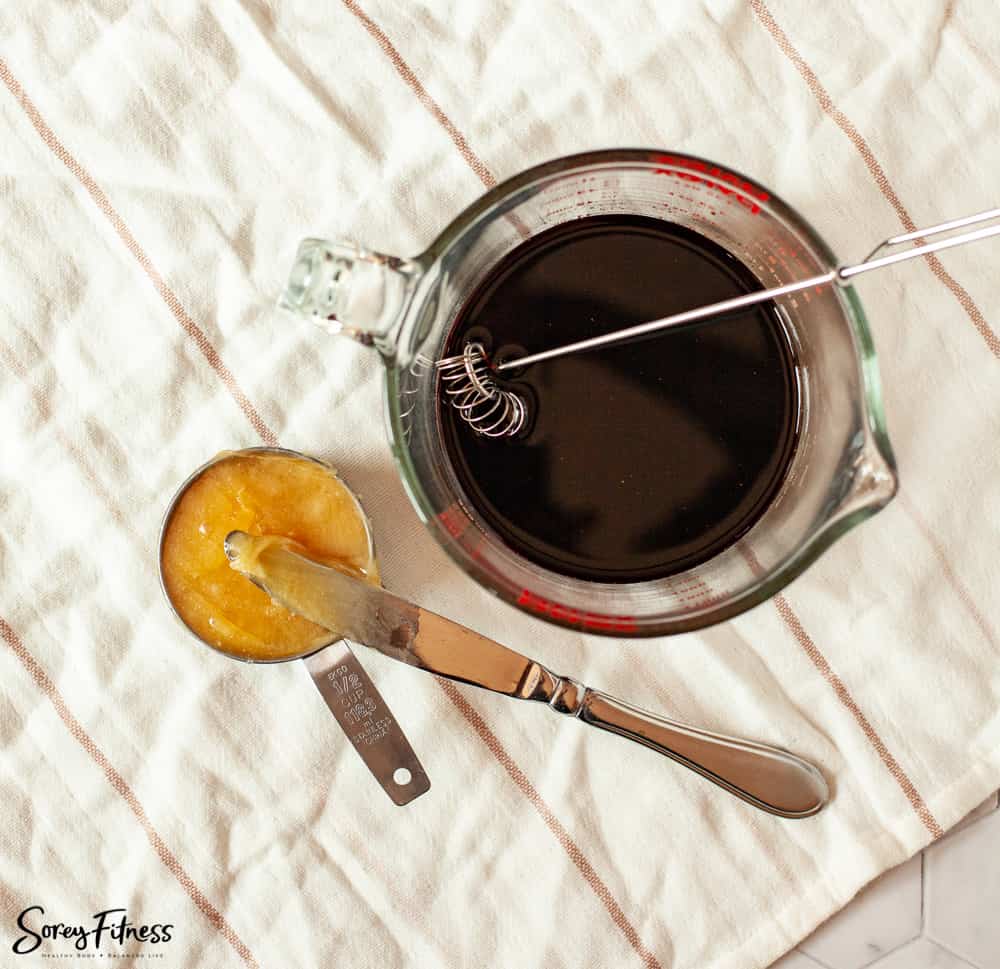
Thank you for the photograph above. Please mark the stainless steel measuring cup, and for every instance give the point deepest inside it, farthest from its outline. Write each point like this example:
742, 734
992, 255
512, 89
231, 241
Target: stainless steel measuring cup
338, 675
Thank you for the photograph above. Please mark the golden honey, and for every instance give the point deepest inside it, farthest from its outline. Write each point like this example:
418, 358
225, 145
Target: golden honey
260, 493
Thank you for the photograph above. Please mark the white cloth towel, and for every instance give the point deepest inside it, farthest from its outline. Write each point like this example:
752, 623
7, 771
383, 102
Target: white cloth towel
159, 165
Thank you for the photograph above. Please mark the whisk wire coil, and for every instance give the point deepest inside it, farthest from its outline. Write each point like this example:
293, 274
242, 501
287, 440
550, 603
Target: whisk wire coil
472, 389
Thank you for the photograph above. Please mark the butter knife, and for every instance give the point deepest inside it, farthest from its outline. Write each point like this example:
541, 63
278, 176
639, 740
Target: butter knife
769, 778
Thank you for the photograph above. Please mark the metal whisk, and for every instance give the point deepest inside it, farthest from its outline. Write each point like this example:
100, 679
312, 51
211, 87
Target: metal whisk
495, 410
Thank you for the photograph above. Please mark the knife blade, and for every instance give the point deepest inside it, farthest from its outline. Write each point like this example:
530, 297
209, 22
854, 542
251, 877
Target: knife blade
368, 614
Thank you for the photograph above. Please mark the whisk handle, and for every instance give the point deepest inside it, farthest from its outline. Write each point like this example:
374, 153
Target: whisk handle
668, 322
871, 262
842, 275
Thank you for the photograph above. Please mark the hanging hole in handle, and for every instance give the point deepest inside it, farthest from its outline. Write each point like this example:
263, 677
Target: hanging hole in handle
402, 776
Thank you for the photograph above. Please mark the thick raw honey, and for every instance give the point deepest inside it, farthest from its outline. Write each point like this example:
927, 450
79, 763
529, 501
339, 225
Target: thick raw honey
261, 493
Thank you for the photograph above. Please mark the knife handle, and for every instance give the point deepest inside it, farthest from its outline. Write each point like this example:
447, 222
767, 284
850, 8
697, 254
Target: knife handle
767, 777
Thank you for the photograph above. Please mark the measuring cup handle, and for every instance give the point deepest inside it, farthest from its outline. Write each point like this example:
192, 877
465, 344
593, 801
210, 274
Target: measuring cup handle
368, 722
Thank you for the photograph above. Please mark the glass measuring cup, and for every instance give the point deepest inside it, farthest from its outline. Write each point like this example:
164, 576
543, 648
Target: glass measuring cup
842, 472
341, 680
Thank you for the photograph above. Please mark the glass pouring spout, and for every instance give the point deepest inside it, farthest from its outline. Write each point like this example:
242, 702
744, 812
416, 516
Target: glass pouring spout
356, 292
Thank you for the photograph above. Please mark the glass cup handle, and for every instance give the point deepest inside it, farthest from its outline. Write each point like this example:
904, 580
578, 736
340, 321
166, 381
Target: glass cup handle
353, 291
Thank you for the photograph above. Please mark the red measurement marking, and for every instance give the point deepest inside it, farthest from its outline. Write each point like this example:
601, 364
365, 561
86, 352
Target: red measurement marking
744, 192
573, 617
453, 520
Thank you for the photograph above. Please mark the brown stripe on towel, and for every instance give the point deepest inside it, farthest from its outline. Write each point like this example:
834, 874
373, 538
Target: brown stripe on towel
564, 838
406, 73
125, 234
877, 171
843, 694
821, 663
413, 82
119, 783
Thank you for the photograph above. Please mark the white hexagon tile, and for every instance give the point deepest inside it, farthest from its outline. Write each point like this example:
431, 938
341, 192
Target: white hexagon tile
939, 910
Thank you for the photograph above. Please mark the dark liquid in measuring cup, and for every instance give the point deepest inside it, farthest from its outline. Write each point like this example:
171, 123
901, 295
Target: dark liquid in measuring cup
642, 460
